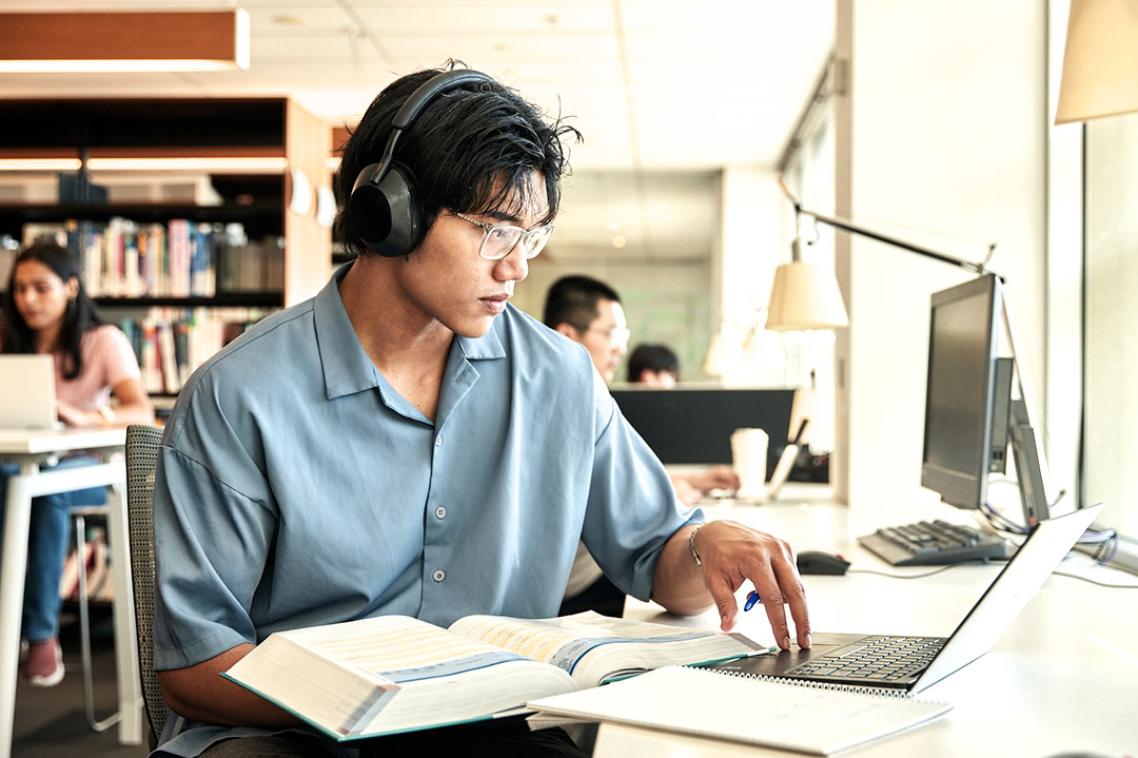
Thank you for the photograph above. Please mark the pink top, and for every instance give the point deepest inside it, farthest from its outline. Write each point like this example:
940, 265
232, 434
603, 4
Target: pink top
108, 359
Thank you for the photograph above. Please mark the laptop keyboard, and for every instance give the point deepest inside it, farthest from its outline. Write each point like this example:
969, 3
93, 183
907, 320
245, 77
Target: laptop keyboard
874, 660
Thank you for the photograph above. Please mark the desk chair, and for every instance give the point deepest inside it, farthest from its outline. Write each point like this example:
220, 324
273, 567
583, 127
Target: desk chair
141, 459
79, 516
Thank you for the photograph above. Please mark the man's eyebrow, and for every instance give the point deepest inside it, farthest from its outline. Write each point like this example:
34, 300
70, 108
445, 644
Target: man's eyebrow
503, 216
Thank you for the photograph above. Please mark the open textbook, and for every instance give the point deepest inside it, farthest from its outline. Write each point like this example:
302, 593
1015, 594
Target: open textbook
393, 674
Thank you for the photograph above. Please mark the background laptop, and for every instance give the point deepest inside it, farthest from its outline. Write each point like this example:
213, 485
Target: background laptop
911, 664
27, 392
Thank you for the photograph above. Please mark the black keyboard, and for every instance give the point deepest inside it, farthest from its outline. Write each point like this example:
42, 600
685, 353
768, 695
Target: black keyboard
934, 543
873, 660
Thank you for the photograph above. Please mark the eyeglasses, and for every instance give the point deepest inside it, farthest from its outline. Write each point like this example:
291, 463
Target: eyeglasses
499, 239
616, 335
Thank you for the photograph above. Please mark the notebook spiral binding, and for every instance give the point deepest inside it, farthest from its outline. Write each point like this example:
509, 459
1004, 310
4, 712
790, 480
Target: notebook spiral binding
871, 691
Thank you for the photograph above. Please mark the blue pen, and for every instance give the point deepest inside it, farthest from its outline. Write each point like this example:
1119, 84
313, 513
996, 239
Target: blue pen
752, 598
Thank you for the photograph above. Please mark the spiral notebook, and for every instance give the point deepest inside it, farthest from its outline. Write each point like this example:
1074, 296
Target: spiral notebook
806, 718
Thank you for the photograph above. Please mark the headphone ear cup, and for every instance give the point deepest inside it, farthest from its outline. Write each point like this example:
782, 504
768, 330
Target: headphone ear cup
386, 216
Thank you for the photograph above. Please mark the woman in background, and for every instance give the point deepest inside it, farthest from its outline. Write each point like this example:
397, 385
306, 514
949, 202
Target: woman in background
47, 311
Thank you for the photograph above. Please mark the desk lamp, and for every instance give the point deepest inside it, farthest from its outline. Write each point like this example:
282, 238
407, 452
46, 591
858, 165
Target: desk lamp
806, 296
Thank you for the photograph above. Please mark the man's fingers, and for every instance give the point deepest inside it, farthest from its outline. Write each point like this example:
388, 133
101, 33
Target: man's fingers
794, 595
724, 597
762, 576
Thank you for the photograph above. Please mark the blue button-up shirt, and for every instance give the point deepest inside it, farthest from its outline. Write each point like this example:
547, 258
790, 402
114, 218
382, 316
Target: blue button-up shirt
296, 487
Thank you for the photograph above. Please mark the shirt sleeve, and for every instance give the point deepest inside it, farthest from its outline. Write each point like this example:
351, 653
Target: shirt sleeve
116, 356
213, 528
632, 509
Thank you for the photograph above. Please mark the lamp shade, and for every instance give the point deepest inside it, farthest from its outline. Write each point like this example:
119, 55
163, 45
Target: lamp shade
124, 41
805, 296
1100, 63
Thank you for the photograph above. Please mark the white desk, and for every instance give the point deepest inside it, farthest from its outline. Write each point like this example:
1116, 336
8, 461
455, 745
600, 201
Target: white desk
1063, 677
31, 450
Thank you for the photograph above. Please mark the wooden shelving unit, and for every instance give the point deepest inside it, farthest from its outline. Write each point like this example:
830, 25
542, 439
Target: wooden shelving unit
249, 148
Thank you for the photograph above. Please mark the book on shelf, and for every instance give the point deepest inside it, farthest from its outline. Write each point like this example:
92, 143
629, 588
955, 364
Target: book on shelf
802, 717
171, 343
125, 259
392, 674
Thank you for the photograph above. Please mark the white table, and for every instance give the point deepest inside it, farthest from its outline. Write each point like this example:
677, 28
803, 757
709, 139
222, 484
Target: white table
1063, 677
32, 450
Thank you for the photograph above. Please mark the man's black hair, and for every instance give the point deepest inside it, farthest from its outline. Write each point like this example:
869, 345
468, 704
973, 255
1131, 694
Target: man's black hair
472, 149
655, 358
573, 300
81, 315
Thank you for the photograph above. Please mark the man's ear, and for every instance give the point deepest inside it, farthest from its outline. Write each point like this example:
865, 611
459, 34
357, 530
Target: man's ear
569, 331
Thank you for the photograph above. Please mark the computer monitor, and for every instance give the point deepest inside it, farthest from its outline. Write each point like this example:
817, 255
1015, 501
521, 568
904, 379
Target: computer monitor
694, 426
968, 393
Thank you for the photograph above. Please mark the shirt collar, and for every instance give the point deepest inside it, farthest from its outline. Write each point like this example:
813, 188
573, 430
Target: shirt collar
347, 368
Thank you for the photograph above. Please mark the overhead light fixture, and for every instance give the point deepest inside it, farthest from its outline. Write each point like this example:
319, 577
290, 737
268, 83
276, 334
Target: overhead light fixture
1100, 63
33, 165
224, 164
221, 164
125, 42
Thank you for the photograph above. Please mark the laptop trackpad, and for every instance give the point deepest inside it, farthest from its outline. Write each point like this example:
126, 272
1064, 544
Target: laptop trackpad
783, 661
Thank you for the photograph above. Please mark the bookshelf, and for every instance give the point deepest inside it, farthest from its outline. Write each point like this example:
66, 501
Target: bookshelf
199, 220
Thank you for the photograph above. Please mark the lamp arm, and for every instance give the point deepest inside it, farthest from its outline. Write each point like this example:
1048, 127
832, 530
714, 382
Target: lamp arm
846, 226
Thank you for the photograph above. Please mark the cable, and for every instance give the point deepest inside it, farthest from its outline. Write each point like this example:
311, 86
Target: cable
1107, 539
1095, 581
940, 570
1000, 522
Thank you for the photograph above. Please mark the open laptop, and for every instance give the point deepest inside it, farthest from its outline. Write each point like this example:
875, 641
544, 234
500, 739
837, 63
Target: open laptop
27, 392
911, 664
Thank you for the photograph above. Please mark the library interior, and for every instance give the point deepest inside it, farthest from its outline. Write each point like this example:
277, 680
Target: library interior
702, 378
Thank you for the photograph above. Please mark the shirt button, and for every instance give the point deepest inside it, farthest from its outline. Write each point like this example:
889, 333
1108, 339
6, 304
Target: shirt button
438, 441
441, 512
439, 575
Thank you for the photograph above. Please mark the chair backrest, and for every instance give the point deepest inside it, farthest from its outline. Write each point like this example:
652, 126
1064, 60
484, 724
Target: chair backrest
141, 459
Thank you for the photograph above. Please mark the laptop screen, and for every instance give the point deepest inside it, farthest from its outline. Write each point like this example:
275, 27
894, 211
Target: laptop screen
27, 392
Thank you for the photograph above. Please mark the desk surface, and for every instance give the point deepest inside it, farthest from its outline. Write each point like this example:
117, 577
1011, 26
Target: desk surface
1063, 677
30, 442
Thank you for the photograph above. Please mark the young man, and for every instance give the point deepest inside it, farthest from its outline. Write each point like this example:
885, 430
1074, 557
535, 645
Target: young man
407, 442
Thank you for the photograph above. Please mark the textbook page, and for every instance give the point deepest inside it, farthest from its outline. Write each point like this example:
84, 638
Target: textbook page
774, 714
595, 649
389, 674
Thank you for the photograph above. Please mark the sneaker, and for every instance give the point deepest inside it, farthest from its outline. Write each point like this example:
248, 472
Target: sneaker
44, 664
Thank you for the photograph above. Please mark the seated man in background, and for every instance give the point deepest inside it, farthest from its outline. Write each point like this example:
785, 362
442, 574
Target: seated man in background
654, 366
588, 311
408, 443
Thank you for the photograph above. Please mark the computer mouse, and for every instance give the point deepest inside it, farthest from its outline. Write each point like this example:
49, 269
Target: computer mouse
818, 562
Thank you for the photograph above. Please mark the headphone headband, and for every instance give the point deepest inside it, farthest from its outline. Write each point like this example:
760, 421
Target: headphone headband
416, 102
385, 211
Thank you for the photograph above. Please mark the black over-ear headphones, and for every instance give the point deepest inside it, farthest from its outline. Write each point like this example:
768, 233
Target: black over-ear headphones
386, 215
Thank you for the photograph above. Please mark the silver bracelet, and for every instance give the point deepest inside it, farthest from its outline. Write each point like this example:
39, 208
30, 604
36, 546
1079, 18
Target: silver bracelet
692, 547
